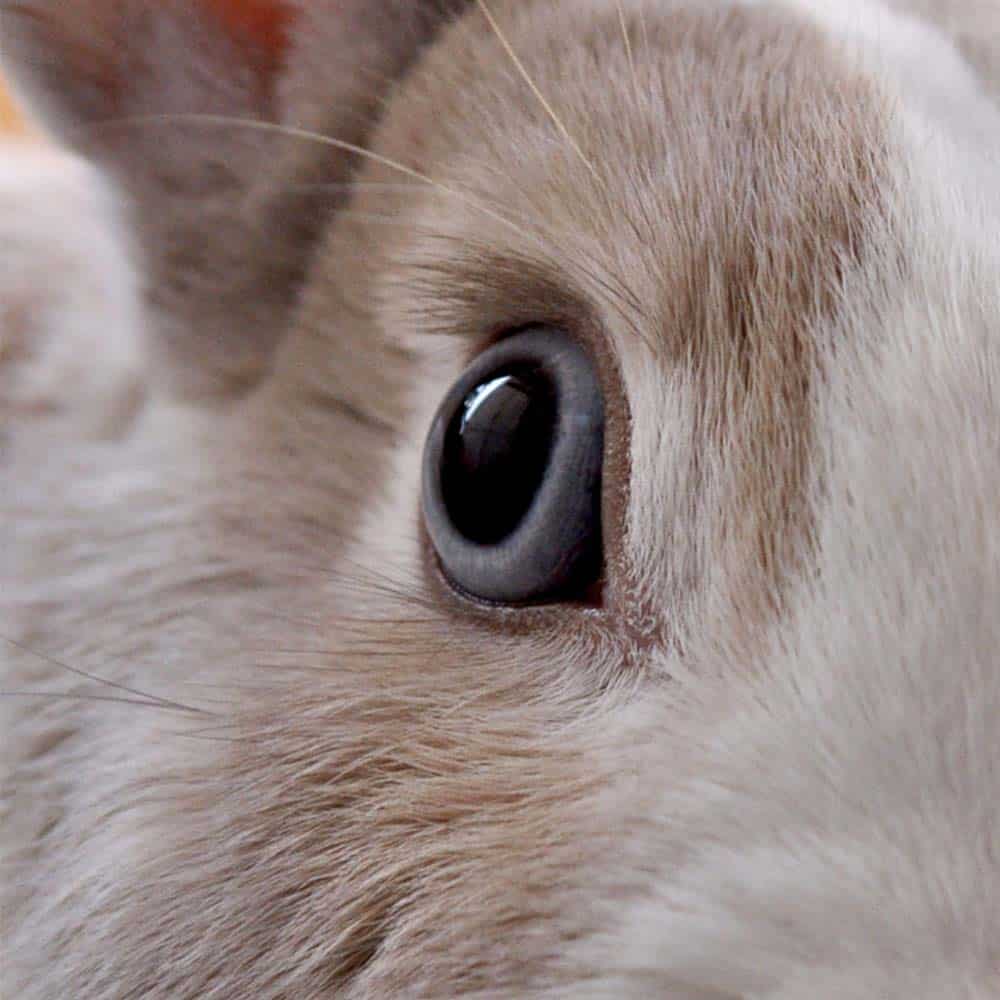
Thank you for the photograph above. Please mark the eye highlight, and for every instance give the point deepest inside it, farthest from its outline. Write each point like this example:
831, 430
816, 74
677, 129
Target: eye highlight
512, 472
496, 451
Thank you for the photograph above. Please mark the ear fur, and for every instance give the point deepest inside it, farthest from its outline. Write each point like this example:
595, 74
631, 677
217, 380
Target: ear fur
227, 215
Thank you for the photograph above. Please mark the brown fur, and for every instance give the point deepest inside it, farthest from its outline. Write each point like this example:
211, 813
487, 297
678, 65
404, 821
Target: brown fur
720, 254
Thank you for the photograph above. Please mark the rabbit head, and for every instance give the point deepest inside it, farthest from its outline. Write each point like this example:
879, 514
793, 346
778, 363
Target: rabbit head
553, 547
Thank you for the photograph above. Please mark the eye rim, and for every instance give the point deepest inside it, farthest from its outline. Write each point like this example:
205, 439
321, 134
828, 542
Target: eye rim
514, 572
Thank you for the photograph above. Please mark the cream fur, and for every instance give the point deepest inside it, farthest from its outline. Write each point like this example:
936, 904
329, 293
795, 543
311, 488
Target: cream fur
70, 313
767, 767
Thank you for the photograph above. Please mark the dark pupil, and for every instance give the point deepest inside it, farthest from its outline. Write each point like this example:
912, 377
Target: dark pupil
496, 451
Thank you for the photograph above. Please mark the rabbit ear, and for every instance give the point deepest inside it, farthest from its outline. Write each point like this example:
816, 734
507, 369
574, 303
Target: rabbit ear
263, 23
91, 60
128, 83
188, 104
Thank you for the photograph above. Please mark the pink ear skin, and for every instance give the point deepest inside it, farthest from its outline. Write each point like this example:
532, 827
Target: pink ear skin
265, 23
183, 104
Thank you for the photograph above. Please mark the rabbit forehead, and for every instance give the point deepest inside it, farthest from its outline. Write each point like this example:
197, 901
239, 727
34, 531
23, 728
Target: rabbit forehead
700, 183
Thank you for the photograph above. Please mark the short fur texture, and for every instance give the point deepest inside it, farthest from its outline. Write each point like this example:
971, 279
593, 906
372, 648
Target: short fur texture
254, 746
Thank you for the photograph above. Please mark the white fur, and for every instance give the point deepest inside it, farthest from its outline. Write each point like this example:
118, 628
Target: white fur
70, 317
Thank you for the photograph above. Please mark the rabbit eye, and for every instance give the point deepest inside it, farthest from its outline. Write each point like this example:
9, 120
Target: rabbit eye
496, 453
512, 472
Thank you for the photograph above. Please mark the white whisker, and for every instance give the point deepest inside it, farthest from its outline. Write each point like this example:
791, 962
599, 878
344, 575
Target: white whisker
147, 698
526, 76
325, 140
628, 47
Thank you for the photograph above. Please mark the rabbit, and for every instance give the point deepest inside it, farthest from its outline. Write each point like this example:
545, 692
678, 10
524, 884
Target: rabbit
501, 498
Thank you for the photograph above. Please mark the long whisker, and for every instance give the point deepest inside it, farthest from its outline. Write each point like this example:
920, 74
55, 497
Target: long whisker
526, 76
622, 293
336, 188
348, 186
325, 140
628, 47
146, 697
139, 702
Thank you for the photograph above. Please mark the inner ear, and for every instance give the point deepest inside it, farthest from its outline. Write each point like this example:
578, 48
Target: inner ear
90, 60
265, 22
